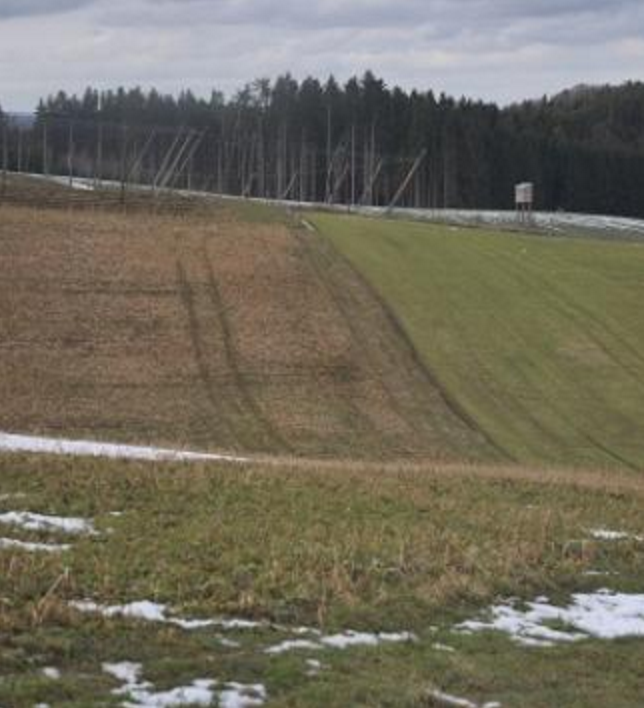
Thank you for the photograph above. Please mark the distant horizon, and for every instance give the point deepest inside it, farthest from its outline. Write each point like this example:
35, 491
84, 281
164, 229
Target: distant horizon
26, 112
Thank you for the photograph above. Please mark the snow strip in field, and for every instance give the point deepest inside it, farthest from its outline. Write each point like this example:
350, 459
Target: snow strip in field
344, 640
155, 612
608, 535
602, 615
201, 692
55, 446
50, 524
446, 699
13, 544
148, 611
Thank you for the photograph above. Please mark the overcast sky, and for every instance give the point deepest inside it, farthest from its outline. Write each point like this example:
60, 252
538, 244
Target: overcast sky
501, 50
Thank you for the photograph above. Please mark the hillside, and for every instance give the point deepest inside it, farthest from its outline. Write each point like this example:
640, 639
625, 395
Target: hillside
538, 339
218, 327
374, 577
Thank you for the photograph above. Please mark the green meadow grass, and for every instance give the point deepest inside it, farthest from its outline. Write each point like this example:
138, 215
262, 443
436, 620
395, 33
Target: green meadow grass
540, 340
332, 546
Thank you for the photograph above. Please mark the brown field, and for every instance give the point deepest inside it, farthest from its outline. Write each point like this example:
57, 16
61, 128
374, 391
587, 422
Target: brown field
205, 327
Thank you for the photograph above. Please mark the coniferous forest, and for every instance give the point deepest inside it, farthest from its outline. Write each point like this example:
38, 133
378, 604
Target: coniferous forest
360, 142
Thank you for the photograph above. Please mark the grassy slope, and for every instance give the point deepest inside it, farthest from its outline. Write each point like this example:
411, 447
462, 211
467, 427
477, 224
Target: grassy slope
219, 327
339, 546
540, 340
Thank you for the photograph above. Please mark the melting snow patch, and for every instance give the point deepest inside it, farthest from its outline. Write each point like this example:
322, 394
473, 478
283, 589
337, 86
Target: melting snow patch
341, 641
200, 692
443, 647
51, 673
448, 700
313, 667
40, 522
603, 615
238, 695
154, 612
293, 644
12, 544
608, 535
55, 446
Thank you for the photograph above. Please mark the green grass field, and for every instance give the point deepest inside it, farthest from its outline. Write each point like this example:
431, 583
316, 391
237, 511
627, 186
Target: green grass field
334, 547
539, 340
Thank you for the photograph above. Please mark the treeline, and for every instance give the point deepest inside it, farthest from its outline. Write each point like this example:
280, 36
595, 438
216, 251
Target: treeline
360, 142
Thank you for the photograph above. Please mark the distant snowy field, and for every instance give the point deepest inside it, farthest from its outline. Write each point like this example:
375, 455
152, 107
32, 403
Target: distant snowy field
558, 222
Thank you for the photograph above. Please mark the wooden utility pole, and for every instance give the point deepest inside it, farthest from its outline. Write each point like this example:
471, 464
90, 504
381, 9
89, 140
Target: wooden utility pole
5, 156
166, 160
98, 170
290, 186
19, 148
353, 164
329, 164
410, 175
70, 152
368, 191
196, 139
45, 147
123, 168
138, 159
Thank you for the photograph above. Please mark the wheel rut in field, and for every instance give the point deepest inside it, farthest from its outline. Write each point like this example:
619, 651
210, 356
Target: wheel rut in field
245, 397
409, 387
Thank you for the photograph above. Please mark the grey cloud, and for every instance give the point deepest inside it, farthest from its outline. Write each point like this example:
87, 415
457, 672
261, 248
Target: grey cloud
371, 13
22, 8
497, 49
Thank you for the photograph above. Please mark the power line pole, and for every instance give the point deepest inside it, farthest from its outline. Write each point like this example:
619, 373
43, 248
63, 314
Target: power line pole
45, 147
410, 175
70, 152
5, 157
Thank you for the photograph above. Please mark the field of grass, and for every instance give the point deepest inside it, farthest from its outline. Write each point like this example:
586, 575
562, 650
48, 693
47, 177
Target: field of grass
385, 378
219, 327
335, 547
539, 340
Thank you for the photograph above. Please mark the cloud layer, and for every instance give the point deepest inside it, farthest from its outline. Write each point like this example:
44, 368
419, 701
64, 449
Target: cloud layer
495, 49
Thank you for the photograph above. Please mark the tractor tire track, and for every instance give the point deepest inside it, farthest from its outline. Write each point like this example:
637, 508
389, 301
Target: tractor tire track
245, 400
324, 251
186, 295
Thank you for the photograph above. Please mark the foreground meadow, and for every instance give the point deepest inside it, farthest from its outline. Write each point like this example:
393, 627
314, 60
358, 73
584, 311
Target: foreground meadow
310, 584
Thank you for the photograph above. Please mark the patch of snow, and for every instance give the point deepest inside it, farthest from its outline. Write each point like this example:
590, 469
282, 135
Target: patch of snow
341, 641
201, 692
41, 522
352, 639
313, 667
10, 543
56, 446
229, 643
293, 645
448, 700
51, 673
608, 535
443, 647
239, 695
602, 615
155, 612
